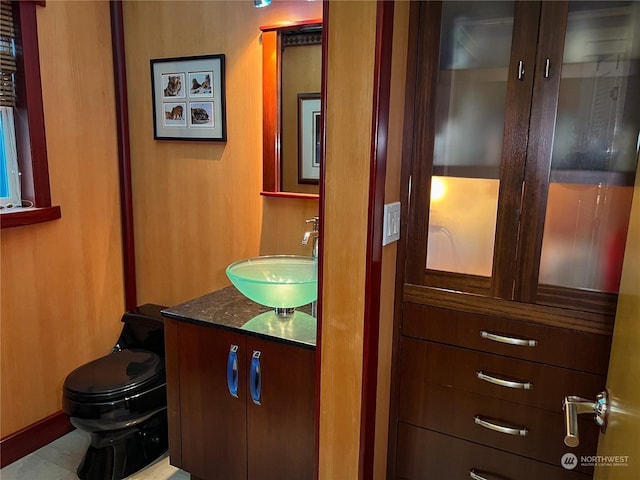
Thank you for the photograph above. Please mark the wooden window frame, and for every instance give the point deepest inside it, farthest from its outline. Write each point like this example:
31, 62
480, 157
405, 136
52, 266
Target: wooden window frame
30, 126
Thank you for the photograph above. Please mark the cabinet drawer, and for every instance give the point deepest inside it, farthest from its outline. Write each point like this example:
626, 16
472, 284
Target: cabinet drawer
423, 363
454, 412
427, 455
553, 345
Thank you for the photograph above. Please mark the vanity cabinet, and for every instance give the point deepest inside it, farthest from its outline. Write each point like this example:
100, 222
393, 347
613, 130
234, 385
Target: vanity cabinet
518, 177
216, 430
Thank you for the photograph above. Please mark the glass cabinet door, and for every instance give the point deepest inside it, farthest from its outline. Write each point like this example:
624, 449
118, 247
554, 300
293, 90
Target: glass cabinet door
595, 148
471, 92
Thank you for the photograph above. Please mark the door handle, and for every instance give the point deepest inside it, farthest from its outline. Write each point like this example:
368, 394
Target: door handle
574, 406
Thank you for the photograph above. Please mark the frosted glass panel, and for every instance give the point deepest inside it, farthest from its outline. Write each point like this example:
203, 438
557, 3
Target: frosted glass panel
584, 236
595, 149
475, 47
462, 225
472, 87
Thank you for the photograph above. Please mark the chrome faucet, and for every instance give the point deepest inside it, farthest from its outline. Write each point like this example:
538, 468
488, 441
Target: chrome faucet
313, 234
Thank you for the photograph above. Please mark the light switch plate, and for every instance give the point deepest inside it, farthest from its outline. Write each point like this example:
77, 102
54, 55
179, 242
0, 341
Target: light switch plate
391, 226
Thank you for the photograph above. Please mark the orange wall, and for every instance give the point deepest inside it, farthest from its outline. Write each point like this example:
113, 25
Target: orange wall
62, 287
347, 158
348, 151
197, 205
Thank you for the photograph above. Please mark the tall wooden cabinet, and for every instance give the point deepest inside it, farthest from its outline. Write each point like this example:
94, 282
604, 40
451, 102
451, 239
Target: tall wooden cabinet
240, 407
518, 174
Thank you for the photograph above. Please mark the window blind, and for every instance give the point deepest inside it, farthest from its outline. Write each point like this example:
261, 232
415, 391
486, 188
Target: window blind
7, 55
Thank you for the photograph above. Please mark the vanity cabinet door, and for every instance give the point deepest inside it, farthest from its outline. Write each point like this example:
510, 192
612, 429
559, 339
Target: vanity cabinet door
212, 420
280, 428
239, 407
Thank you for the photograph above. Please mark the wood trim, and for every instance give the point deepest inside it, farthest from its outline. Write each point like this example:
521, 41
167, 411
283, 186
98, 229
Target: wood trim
543, 314
33, 149
303, 196
604, 303
271, 66
321, 214
423, 120
124, 155
457, 281
296, 25
33, 437
174, 419
514, 149
553, 24
379, 133
29, 216
401, 255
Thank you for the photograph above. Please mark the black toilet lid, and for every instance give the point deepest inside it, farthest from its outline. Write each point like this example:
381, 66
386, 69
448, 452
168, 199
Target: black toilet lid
117, 372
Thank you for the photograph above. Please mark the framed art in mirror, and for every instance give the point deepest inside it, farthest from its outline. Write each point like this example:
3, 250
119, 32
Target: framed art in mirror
309, 121
189, 98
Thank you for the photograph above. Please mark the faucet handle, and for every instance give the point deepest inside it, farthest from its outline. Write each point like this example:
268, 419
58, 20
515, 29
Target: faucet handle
315, 221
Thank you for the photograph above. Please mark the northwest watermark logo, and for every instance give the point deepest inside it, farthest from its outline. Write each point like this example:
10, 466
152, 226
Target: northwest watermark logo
569, 461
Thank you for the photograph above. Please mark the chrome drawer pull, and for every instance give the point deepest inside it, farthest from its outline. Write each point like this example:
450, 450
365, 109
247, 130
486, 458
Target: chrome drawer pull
501, 428
475, 476
523, 342
502, 382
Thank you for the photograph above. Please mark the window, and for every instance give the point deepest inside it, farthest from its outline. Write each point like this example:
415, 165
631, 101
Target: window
9, 174
24, 172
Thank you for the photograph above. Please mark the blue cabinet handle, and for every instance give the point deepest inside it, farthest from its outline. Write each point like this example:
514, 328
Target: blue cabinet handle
232, 371
255, 377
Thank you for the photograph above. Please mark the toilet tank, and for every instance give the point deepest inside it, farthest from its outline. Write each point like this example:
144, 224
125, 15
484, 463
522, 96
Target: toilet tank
143, 328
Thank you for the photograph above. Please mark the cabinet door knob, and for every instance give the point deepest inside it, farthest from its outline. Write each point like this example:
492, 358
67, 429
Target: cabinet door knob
232, 371
547, 68
255, 378
521, 70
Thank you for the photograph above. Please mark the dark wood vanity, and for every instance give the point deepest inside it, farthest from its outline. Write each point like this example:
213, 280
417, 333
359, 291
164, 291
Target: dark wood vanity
241, 405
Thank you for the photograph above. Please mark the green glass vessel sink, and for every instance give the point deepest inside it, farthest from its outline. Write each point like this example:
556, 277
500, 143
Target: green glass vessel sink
278, 281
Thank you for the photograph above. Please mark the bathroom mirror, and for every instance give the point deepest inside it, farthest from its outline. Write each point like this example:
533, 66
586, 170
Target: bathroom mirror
291, 80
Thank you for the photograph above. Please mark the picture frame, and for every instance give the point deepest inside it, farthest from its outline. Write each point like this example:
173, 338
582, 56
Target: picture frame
188, 96
309, 123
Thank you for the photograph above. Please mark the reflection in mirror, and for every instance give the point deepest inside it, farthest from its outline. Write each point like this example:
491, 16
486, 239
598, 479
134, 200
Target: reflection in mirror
292, 70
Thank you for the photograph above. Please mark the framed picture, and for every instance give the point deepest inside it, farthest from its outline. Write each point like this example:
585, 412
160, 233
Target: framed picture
189, 98
309, 122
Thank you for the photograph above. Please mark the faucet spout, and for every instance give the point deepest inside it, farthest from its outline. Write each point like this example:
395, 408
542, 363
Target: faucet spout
313, 233
307, 236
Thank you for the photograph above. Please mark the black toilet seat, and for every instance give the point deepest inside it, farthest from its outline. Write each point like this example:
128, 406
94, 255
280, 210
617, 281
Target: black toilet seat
120, 374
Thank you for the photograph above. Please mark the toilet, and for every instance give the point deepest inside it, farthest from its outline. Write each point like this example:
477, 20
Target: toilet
120, 400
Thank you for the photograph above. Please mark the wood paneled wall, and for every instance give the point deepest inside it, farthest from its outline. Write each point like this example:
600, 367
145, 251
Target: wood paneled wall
197, 205
351, 57
392, 194
61, 281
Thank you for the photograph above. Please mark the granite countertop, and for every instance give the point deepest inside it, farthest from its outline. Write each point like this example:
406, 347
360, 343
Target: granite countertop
229, 309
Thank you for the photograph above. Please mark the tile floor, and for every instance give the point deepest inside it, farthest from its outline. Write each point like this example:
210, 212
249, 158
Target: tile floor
59, 460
